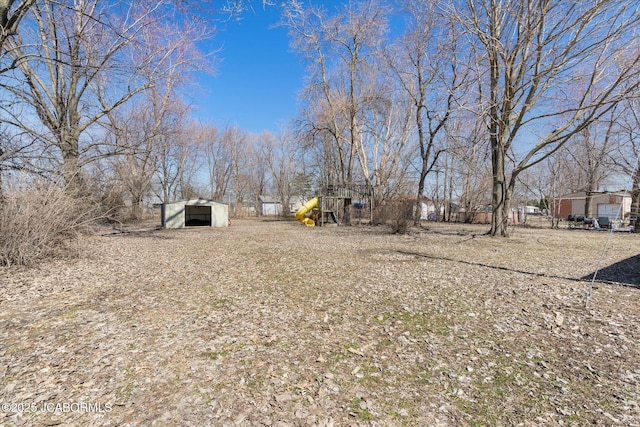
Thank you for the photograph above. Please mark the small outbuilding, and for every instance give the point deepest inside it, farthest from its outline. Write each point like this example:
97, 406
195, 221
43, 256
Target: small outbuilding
194, 212
269, 205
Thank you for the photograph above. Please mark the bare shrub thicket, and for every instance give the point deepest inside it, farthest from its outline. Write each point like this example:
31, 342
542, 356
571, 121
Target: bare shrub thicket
112, 202
41, 221
398, 214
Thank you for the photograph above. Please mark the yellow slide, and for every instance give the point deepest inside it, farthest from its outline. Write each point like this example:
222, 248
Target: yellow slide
300, 215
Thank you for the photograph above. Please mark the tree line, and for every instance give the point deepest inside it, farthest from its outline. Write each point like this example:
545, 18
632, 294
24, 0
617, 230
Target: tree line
484, 102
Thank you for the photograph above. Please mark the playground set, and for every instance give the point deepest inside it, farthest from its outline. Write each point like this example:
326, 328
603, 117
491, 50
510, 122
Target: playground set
323, 209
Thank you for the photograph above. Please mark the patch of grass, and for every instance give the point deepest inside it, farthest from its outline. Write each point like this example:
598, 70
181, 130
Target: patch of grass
370, 375
489, 402
355, 403
338, 356
365, 415
362, 414
404, 412
220, 303
38, 327
256, 384
125, 393
214, 355
386, 342
428, 376
71, 313
351, 345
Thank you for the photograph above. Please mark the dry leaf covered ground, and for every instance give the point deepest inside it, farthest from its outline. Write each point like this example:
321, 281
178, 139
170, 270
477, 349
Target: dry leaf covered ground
272, 323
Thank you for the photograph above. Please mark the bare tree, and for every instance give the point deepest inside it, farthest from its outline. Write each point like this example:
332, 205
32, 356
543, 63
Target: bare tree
176, 151
425, 61
239, 148
339, 47
146, 128
383, 148
80, 60
216, 146
11, 14
635, 200
257, 172
235, 166
470, 166
279, 153
628, 154
590, 152
135, 167
546, 71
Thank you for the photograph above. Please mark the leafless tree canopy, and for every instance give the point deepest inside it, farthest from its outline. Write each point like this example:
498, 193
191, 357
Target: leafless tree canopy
466, 106
75, 63
545, 72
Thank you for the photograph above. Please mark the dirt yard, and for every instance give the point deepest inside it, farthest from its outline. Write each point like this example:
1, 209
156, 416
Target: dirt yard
272, 323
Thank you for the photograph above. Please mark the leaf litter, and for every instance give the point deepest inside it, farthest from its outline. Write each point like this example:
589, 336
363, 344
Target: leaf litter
274, 324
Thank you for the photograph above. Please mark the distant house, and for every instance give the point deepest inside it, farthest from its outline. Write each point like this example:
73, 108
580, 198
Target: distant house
603, 204
429, 207
428, 210
269, 205
296, 202
530, 210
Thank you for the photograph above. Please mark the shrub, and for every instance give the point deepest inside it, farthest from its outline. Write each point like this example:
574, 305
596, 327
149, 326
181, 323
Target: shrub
41, 221
398, 214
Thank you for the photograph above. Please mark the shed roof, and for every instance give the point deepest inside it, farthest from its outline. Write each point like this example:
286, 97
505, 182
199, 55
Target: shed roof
195, 201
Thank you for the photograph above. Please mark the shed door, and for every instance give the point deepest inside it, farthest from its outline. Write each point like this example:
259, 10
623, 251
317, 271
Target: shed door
609, 210
197, 216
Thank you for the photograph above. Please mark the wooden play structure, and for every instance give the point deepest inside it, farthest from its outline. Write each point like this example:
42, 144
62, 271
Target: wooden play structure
326, 208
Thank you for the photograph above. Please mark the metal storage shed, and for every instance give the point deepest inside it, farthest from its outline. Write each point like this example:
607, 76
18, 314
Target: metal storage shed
194, 212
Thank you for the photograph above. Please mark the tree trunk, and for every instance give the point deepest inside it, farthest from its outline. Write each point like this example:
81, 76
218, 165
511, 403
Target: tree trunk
591, 186
136, 209
425, 165
2, 199
70, 165
498, 152
587, 204
635, 201
418, 212
499, 196
448, 189
346, 216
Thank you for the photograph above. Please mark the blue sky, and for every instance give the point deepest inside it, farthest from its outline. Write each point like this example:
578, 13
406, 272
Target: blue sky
258, 75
